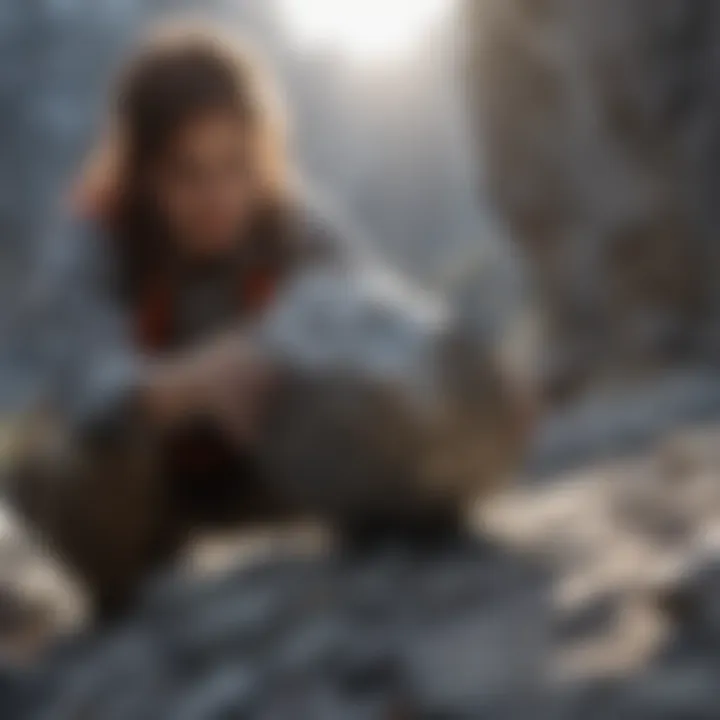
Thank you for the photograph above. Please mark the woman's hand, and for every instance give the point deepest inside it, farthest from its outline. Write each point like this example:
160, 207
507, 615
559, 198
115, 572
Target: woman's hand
225, 381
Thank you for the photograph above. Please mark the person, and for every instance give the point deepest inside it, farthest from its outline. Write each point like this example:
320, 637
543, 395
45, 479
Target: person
185, 224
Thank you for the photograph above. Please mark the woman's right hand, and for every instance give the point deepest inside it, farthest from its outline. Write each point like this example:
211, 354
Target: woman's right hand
226, 381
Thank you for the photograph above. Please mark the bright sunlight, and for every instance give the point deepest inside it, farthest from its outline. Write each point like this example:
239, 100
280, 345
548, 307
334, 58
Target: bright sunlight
368, 30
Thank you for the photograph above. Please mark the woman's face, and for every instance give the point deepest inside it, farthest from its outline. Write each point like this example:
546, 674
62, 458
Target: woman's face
204, 184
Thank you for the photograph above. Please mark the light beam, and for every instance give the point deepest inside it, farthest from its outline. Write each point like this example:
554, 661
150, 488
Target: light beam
368, 30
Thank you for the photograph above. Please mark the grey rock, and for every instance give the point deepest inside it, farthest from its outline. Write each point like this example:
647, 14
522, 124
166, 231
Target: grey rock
226, 692
590, 618
318, 656
226, 624
315, 646
674, 693
692, 601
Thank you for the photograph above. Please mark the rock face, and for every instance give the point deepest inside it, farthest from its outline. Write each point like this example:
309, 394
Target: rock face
599, 123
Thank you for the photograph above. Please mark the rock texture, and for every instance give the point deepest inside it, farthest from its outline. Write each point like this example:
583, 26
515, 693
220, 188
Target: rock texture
603, 604
400, 632
600, 126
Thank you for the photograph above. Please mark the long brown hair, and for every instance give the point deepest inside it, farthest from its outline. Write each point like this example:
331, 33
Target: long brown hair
179, 72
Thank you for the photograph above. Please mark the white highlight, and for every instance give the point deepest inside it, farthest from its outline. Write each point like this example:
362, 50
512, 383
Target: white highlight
364, 29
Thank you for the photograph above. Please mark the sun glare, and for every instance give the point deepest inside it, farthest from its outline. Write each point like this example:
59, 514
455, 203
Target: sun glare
365, 29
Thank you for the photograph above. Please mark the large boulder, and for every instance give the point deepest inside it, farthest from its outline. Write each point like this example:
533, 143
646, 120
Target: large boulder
395, 409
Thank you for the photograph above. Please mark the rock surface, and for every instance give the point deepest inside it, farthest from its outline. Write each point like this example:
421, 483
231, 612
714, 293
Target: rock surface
596, 599
420, 633
600, 126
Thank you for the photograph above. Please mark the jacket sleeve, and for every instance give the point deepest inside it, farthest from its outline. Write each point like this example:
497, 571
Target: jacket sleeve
77, 333
324, 240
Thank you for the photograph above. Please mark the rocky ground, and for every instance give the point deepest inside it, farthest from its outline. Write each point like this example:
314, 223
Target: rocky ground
595, 598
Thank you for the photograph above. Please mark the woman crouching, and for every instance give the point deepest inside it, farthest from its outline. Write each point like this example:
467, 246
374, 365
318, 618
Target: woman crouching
361, 402
185, 225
